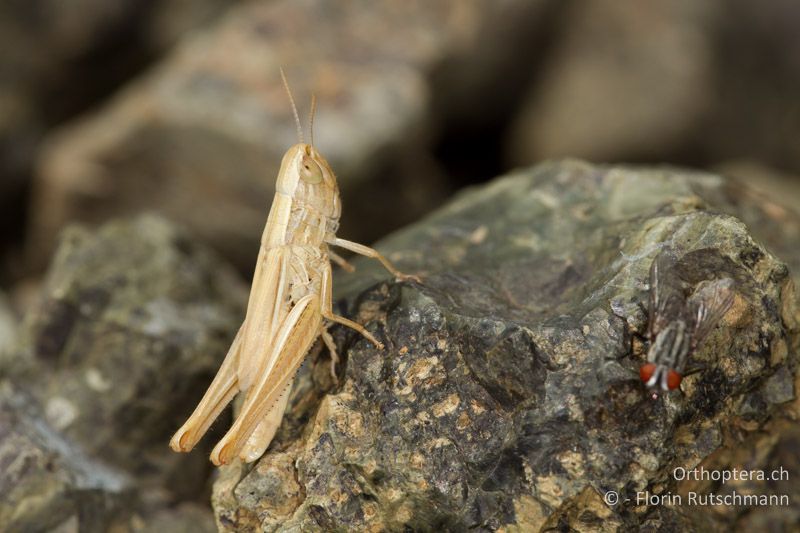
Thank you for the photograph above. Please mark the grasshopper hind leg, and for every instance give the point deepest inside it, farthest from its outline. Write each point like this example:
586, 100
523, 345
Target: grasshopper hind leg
265, 430
219, 394
293, 340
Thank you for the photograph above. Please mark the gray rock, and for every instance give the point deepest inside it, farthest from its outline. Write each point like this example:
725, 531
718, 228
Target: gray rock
133, 322
771, 209
508, 393
46, 480
754, 115
186, 518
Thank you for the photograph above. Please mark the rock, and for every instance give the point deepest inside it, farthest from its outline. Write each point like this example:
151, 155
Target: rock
508, 394
766, 200
49, 483
186, 518
682, 82
625, 81
46, 481
200, 137
133, 322
780, 187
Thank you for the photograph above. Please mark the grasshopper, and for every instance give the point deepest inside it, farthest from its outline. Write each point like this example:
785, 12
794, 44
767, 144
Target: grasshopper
289, 307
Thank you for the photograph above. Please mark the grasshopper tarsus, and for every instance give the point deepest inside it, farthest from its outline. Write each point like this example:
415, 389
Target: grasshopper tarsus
408, 278
354, 326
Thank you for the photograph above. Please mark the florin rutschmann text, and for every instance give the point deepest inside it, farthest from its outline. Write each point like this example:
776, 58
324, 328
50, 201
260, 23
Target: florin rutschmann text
732, 498
722, 476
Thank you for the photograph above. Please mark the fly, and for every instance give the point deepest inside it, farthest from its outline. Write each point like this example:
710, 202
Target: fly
680, 319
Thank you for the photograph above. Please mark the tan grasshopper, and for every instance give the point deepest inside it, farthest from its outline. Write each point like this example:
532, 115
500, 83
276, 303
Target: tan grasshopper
290, 306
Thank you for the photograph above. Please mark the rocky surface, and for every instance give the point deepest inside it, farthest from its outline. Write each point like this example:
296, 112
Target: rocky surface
133, 322
46, 481
200, 137
508, 396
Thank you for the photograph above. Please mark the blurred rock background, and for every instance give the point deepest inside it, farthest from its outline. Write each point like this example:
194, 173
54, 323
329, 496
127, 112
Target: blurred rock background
112, 109
176, 107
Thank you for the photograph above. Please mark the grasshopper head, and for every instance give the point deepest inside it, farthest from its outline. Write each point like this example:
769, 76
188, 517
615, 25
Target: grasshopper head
307, 178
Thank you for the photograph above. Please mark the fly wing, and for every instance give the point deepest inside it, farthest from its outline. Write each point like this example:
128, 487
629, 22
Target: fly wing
708, 304
666, 298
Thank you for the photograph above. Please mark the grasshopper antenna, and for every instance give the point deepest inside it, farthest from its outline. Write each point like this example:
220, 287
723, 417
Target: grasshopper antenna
294, 107
311, 117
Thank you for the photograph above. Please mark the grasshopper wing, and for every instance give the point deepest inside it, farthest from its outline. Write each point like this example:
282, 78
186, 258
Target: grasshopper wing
243, 362
267, 307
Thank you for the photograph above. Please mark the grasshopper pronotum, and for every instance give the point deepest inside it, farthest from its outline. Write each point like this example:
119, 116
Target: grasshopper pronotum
290, 306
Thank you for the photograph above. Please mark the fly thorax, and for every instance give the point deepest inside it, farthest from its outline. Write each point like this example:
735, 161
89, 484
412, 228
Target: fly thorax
671, 346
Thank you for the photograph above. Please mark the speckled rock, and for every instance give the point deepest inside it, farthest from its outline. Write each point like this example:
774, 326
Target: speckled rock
768, 201
508, 396
133, 321
200, 138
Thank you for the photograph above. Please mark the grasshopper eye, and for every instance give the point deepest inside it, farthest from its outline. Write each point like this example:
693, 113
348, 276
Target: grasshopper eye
310, 171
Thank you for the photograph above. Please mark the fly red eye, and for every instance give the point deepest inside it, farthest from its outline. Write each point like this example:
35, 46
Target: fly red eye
646, 371
673, 380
